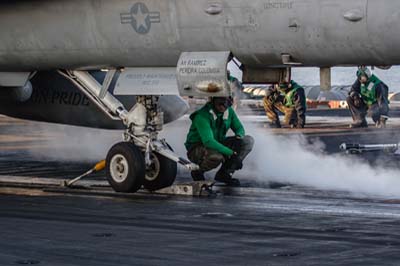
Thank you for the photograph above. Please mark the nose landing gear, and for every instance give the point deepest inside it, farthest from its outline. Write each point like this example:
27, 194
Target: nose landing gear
125, 167
142, 159
160, 174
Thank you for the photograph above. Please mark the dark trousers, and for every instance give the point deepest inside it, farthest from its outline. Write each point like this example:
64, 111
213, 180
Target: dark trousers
360, 111
209, 159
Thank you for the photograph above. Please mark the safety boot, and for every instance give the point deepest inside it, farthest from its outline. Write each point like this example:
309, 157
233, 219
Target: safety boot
359, 124
223, 176
381, 123
296, 126
275, 124
198, 175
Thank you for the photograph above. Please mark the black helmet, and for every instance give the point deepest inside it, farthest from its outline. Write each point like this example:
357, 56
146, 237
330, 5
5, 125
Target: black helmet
225, 101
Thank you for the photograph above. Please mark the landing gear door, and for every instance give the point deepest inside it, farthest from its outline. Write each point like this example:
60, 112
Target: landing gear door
147, 81
203, 74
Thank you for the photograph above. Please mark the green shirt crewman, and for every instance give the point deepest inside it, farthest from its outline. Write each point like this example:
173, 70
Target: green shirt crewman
368, 95
207, 143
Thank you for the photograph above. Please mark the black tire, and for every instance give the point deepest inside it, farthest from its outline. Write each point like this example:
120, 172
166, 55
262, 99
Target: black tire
125, 167
164, 177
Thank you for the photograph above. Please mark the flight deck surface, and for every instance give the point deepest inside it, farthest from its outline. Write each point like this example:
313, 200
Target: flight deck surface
261, 223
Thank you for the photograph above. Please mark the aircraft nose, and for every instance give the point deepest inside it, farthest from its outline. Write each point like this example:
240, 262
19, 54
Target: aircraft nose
173, 107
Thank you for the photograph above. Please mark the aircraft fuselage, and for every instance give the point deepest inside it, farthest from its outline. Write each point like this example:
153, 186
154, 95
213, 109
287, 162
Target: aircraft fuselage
55, 99
87, 34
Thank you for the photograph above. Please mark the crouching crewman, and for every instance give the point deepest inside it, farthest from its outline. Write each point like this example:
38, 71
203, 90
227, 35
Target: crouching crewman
290, 99
208, 146
368, 95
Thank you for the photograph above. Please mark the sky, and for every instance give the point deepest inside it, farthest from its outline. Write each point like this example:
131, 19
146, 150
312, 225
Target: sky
340, 76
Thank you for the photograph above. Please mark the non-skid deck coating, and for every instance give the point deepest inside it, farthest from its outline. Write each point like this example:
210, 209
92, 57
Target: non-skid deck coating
268, 224
268, 227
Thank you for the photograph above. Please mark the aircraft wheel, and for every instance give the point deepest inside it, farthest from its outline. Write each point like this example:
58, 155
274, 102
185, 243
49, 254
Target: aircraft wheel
161, 173
125, 167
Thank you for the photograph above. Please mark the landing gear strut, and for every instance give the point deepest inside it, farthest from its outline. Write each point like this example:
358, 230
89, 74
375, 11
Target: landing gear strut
142, 159
160, 170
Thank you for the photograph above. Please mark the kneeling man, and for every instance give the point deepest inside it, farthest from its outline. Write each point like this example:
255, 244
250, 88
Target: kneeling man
290, 99
208, 146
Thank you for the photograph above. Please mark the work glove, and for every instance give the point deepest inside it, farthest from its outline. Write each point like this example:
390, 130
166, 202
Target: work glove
357, 100
234, 162
272, 95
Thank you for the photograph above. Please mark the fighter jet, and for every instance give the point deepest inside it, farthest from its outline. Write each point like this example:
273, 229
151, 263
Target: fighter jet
149, 48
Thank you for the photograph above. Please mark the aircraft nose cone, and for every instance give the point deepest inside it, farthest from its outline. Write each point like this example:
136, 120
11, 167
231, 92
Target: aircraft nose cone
173, 107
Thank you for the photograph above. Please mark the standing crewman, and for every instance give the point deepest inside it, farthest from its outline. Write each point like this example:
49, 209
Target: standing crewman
208, 146
290, 99
368, 95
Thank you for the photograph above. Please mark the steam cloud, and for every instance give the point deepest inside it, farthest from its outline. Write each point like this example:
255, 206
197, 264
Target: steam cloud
274, 158
72, 144
294, 160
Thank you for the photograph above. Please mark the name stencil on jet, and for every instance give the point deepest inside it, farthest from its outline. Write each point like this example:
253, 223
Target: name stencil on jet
279, 5
197, 66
